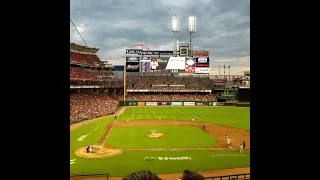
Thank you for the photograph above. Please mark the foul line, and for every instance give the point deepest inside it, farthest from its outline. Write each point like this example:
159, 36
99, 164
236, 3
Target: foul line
96, 128
113, 126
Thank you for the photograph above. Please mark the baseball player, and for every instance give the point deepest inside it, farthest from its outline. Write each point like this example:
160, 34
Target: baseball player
152, 131
203, 127
82, 124
159, 117
227, 138
115, 117
193, 120
241, 148
244, 144
128, 120
97, 144
229, 143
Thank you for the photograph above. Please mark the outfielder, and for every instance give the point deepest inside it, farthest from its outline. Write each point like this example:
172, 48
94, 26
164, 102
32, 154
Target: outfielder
241, 148
193, 120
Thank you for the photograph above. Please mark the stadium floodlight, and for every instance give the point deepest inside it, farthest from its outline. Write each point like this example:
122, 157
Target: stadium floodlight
192, 24
192, 29
175, 23
175, 29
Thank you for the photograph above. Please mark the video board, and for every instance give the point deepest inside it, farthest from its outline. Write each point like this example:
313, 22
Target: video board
132, 64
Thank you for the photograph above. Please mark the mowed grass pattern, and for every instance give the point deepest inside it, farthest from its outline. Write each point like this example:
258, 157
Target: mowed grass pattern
176, 137
229, 116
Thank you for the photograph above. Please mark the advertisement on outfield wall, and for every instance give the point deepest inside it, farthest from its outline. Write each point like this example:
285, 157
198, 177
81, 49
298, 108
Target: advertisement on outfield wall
189, 103
176, 103
201, 103
133, 103
164, 103
141, 103
151, 103
214, 103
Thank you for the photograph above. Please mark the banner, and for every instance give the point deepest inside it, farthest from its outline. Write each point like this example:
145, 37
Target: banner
164, 103
220, 104
132, 66
200, 53
214, 103
156, 53
134, 103
141, 103
201, 103
151, 103
190, 65
176, 103
176, 63
202, 70
189, 103
166, 90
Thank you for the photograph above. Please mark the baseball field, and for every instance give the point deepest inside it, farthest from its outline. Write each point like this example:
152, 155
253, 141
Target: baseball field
122, 147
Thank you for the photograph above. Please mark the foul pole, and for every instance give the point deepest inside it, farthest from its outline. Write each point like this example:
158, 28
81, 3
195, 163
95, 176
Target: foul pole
124, 85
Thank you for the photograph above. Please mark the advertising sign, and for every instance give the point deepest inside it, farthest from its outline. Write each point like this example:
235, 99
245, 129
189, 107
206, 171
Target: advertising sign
134, 103
163, 103
133, 51
153, 64
132, 59
132, 66
151, 103
141, 103
156, 53
202, 70
214, 103
189, 103
200, 53
176, 103
201, 103
176, 63
190, 65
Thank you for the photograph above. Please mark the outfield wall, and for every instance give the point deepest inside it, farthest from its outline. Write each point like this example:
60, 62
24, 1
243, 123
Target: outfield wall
179, 103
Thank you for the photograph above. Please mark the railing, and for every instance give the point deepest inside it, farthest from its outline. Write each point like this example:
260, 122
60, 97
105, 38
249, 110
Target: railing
231, 177
104, 174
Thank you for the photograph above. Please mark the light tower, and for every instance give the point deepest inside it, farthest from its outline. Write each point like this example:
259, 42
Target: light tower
192, 29
175, 29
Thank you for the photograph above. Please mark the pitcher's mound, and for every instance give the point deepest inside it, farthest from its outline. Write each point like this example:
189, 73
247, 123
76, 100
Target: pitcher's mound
156, 135
103, 152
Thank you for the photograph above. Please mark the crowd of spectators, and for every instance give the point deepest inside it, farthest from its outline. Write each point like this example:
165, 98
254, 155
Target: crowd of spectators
81, 74
169, 97
90, 106
168, 82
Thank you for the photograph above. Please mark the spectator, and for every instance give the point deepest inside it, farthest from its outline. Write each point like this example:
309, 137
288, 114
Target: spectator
188, 175
142, 175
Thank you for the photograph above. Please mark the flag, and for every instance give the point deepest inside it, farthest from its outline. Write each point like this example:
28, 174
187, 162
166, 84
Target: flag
229, 66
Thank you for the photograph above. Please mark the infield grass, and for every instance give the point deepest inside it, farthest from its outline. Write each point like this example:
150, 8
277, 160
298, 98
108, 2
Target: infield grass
175, 137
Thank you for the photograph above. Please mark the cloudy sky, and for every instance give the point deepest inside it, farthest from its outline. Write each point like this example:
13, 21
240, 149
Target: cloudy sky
223, 28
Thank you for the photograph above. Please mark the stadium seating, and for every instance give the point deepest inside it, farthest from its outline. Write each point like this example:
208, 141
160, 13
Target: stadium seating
89, 106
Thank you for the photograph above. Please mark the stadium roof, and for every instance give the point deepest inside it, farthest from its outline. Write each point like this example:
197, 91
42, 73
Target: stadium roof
79, 47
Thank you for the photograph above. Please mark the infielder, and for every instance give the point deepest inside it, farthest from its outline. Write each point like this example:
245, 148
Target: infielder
241, 148
82, 124
193, 120
128, 120
227, 138
229, 143
159, 117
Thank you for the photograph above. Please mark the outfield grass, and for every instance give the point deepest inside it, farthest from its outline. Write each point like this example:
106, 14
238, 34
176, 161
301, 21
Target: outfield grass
229, 116
176, 137
128, 162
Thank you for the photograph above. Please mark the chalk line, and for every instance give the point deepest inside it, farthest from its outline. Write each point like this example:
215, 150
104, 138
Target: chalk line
96, 128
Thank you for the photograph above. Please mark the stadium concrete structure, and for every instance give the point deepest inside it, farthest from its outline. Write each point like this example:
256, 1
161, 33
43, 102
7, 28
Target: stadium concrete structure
98, 82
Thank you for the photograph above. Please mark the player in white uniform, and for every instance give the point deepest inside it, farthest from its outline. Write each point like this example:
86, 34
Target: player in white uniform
153, 131
229, 143
128, 120
82, 124
159, 117
193, 120
241, 148
227, 138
